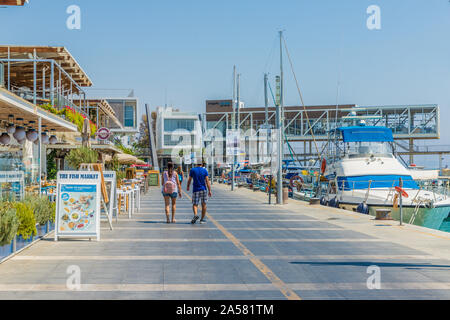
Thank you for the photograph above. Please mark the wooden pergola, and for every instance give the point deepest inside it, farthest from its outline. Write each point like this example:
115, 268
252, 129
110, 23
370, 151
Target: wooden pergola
43, 68
13, 2
103, 108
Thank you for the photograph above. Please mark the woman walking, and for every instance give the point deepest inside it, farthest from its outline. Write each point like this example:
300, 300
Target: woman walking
171, 189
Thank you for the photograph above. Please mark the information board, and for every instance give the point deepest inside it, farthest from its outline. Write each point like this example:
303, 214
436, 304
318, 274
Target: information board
110, 181
16, 179
78, 195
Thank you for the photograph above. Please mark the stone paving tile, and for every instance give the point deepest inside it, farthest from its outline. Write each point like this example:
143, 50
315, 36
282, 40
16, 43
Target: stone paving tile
231, 211
327, 248
299, 234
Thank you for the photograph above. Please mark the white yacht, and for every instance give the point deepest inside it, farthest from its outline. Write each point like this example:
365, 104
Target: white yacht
364, 175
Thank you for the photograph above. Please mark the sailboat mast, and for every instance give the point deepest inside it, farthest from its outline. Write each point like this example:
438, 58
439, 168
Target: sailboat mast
280, 125
233, 124
266, 100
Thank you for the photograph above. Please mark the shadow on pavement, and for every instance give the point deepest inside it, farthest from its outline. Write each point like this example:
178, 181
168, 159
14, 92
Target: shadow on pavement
366, 264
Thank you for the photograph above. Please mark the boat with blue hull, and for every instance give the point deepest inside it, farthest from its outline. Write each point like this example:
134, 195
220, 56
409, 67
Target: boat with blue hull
364, 175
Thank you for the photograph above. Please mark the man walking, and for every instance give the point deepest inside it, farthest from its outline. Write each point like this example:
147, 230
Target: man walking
201, 182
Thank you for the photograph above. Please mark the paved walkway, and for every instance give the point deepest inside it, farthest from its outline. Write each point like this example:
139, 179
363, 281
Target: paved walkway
247, 250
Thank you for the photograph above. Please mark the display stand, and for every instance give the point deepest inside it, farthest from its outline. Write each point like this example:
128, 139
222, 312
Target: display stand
104, 199
78, 204
110, 176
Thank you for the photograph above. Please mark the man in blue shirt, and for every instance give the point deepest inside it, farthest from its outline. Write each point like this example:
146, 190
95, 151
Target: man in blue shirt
201, 182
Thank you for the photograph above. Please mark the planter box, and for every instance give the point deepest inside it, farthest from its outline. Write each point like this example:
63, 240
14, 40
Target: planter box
6, 250
21, 243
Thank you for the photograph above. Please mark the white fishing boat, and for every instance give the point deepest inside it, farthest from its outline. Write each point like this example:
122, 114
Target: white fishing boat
364, 175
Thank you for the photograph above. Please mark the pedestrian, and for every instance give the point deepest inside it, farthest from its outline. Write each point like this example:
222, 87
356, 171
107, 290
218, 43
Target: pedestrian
180, 174
171, 189
199, 176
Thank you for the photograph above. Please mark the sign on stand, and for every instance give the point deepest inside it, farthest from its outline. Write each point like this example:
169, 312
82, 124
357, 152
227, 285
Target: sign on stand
16, 179
78, 195
110, 181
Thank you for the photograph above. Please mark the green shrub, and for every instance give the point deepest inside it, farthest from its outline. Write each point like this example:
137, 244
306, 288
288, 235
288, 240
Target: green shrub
9, 223
44, 210
27, 222
81, 155
51, 165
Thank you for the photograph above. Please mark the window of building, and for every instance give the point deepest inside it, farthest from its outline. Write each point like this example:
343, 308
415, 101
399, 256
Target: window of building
171, 125
184, 140
128, 120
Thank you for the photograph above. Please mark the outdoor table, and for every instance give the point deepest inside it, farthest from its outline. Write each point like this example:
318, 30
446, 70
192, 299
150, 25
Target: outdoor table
137, 193
126, 195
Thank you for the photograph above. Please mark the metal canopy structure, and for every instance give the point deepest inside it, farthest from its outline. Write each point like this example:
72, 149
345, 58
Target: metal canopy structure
407, 122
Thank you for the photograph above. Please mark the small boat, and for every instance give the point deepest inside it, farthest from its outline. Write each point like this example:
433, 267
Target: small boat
364, 175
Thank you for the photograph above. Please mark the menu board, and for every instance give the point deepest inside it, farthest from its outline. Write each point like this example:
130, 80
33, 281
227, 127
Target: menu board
78, 204
153, 178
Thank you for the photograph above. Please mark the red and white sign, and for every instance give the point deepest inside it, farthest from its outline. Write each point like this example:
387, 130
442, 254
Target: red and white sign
103, 133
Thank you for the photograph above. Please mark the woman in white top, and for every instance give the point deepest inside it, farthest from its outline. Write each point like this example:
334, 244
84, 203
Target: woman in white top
171, 189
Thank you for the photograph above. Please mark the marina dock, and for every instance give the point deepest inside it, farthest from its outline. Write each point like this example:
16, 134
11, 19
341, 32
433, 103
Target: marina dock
246, 250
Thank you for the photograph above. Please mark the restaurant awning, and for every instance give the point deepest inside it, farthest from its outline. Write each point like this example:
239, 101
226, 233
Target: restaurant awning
127, 158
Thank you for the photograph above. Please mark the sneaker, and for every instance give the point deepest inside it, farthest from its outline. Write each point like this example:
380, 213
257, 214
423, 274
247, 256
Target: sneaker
202, 221
194, 219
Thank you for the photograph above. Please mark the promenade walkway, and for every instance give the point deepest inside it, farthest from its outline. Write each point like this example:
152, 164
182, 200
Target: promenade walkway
247, 250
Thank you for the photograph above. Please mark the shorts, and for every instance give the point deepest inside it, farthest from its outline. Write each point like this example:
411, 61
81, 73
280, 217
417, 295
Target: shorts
173, 195
199, 195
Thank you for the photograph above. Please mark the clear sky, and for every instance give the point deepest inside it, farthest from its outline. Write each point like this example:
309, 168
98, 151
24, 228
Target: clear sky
186, 49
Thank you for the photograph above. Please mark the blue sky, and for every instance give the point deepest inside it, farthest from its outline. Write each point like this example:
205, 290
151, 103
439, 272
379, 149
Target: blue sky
188, 48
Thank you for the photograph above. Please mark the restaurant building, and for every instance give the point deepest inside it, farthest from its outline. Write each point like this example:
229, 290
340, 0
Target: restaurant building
41, 97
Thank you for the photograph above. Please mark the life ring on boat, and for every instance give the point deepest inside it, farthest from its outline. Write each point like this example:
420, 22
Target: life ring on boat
323, 165
401, 191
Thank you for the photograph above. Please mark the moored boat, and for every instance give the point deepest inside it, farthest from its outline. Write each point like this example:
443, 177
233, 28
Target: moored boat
364, 175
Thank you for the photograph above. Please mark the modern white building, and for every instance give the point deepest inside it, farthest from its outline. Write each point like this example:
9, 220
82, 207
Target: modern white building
178, 136
127, 110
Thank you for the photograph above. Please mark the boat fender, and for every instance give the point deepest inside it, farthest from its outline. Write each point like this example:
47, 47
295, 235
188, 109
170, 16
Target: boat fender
363, 208
332, 203
429, 205
336, 203
323, 166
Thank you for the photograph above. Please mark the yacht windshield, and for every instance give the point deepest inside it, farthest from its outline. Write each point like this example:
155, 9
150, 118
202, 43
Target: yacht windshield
366, 149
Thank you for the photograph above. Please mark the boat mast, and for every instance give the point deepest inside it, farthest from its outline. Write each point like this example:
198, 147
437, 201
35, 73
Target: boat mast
266, 100
280, 125
233, 123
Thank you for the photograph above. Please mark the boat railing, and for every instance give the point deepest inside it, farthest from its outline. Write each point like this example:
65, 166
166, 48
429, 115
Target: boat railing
436, 187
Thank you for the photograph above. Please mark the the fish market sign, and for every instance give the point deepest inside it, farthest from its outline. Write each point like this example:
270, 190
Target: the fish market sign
78, 204
103, 133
